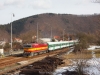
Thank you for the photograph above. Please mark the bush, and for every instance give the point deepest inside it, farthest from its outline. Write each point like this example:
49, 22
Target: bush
7, 46
80, 64
52, 40
1, 46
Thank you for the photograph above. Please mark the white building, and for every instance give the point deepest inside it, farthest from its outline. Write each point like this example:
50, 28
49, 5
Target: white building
18, 40
45, 39
2, 42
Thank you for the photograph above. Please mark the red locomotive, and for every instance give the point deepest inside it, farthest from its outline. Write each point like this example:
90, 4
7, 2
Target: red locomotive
35, 48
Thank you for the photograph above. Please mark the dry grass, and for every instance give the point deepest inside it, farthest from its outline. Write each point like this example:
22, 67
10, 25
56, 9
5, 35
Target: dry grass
80, 59
97, 53
72, 56
84, 55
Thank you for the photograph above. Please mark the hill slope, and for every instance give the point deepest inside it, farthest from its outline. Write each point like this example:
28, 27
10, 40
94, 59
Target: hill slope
56, 22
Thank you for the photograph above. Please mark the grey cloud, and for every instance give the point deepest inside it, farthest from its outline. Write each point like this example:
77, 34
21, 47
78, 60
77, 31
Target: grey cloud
36, 4
1, 6
41, 4
13, 2
95, 1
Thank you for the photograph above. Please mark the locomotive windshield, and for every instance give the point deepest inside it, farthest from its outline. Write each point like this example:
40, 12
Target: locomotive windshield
27, 45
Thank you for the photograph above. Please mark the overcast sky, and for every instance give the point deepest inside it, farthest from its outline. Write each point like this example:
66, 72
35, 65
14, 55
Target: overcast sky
25, 8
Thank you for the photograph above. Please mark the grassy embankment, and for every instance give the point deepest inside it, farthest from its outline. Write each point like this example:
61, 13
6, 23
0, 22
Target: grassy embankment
86, 54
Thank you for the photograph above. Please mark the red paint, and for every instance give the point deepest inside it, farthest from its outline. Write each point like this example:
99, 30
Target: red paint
37, 47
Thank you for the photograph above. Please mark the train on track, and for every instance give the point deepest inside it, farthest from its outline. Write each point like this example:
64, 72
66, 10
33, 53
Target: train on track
36, 48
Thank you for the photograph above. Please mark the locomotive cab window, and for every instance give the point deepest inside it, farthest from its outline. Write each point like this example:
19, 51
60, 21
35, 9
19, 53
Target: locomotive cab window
27, 45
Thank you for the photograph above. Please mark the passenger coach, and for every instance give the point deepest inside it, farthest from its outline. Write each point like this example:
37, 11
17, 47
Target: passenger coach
31, 49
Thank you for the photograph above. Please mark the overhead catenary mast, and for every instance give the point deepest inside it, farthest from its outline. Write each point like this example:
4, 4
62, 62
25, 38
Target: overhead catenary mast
37, 32
11, 33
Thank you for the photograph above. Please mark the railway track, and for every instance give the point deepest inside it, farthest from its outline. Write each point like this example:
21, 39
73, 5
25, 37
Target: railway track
9, 64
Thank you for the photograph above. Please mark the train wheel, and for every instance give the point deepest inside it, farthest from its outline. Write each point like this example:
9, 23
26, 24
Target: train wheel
31, 54
48, 51
24, 54
37, 53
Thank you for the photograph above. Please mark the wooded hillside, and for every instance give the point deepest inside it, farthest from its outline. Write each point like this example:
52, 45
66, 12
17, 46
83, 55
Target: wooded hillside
57, 22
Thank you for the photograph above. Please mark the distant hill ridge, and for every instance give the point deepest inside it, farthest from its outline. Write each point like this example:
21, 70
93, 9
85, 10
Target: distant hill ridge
47, 21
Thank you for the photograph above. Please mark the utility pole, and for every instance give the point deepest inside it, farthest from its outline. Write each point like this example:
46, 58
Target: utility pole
51, 33
51, 29
11, 34
63, 33
37, 32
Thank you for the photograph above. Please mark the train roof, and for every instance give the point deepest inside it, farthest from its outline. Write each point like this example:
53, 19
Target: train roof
58, 42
